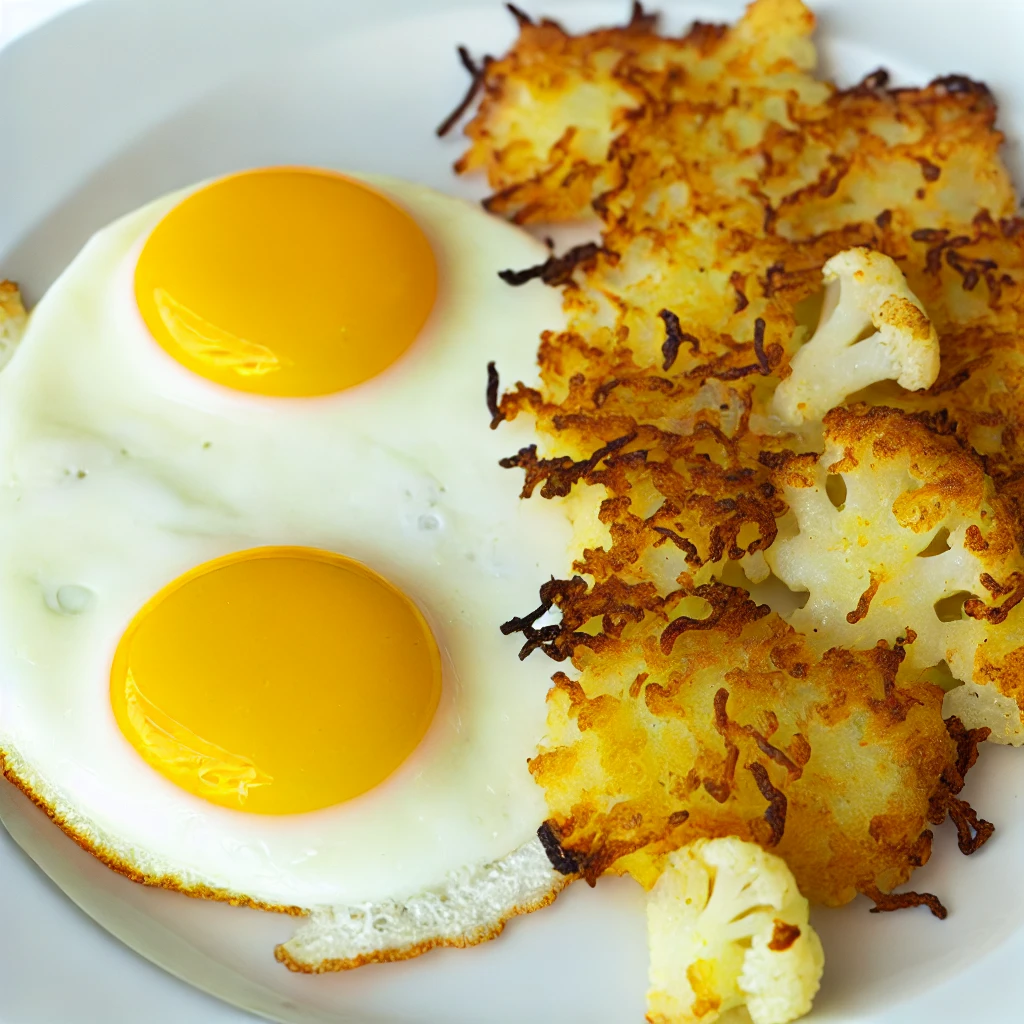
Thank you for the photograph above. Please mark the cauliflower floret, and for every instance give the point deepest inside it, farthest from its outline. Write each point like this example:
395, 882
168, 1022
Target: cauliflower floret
863, 289
12, 320
896, 531
727, 926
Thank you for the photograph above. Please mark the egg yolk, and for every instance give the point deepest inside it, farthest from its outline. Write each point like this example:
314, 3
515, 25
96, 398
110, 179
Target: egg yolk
276, 680
287, 282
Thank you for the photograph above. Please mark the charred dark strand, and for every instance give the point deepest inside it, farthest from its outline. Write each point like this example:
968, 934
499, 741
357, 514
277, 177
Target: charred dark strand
546, 640
778, 756
520, 277
726, 373
521, 623
966, 741
972, 832
737, 280
602, 392
555, 271
954, 84
878, 79
767, 360
762, 359
492, 396
719, 789
562, 860
674, 337
558, 475
476, 83
775, 815
721, 713
466, 59
771, 285
558, 640
717, 595
887, 902
692, 555
640, 20
520, 15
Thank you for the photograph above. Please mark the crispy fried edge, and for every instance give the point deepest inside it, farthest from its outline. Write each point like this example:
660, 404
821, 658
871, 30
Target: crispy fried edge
130, 872
398, 953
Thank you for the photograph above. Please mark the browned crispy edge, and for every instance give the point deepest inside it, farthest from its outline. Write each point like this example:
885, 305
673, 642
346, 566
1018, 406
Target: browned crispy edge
113, 862
390, 956
205, 892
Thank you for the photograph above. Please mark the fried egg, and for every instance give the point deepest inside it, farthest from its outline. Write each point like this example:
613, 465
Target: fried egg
255, 548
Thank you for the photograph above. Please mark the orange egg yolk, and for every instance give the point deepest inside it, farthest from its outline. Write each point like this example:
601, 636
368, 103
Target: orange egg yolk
287, 282
277, 680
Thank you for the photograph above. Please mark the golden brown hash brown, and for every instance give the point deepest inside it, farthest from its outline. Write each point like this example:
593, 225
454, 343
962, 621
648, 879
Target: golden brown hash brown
631, 772
724, 176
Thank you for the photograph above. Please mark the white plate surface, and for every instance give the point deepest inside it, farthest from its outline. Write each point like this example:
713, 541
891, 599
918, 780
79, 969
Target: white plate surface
121, 100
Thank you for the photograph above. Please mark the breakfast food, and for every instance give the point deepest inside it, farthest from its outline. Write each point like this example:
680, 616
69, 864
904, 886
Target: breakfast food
871, 328
250, 588
728, 928
788, 394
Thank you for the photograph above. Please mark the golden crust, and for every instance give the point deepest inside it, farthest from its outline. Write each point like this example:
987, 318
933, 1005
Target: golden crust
944, 478
725, 176
656, 745
556, 106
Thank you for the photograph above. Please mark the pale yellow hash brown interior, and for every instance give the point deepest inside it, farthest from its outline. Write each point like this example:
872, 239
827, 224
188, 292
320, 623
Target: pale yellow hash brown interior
724, 175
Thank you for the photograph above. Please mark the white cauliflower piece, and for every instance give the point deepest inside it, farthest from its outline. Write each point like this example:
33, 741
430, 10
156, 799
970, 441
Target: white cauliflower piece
728, 927
895, 531
863, 290
12, 320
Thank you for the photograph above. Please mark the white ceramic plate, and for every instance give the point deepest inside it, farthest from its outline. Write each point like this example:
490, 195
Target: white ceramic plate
117, 102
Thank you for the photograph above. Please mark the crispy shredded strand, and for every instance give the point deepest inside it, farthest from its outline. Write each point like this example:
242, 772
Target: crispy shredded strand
886, 902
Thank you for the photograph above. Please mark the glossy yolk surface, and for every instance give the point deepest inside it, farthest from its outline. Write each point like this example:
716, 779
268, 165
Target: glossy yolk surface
276, 680
287, 282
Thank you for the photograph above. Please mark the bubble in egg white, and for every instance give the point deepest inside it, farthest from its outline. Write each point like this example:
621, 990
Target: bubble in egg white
73, 599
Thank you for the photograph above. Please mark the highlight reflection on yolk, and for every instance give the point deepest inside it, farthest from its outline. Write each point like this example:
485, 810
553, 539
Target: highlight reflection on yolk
276, 680
286, 282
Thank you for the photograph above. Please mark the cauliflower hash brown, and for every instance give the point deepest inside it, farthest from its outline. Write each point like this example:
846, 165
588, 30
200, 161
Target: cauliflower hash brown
786, 417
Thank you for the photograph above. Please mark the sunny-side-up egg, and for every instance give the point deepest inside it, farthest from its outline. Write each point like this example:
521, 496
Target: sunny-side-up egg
255, 549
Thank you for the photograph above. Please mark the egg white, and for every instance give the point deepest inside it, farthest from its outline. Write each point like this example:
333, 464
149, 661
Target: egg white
120, 470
